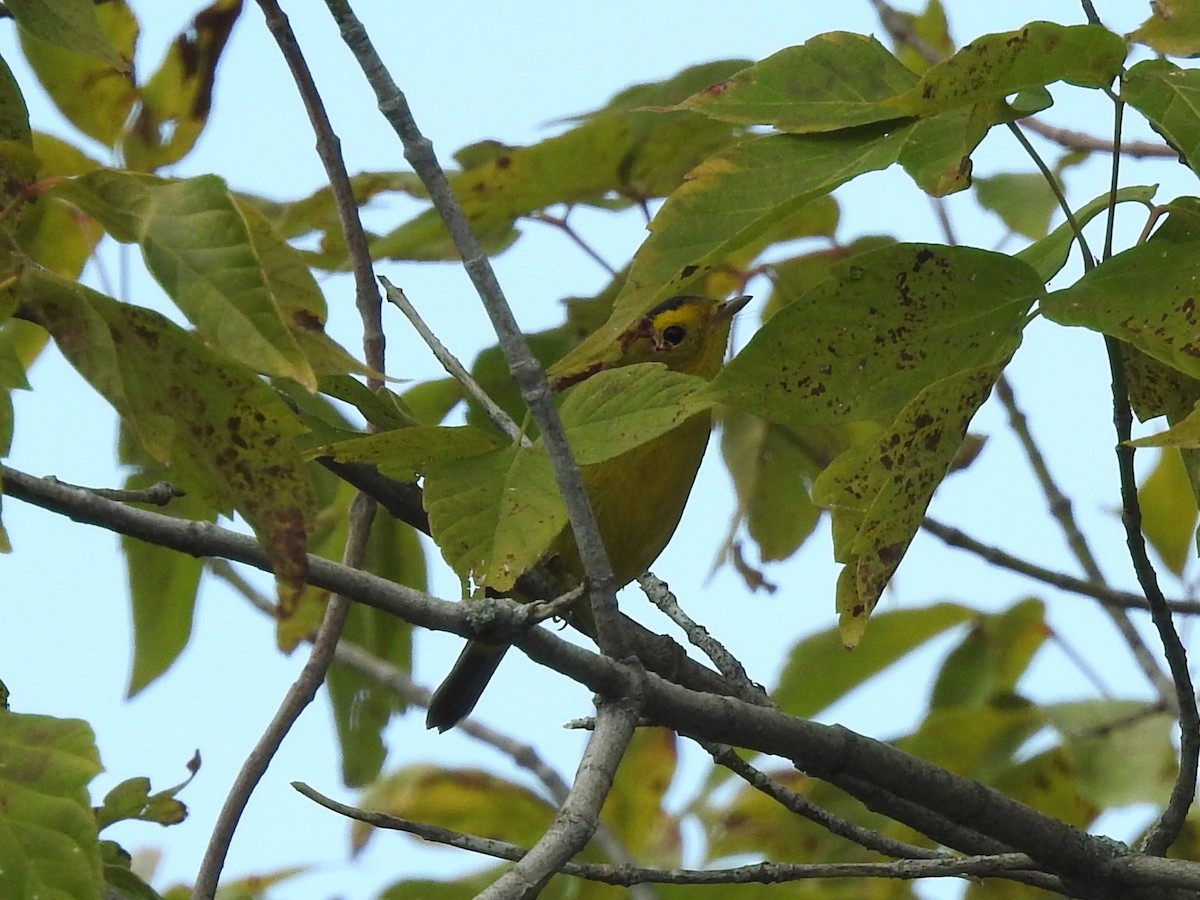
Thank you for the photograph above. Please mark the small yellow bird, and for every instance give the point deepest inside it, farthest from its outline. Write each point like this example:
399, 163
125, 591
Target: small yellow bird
637, 497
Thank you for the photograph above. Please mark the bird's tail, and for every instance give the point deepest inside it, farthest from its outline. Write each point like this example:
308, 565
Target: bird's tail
458, 693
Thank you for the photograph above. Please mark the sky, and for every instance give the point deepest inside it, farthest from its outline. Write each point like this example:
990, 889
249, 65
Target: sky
510, 75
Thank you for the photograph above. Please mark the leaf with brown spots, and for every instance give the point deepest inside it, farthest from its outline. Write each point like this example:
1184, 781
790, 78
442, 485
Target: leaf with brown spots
176, 101
883, 327
730, 202
222, 430
998, 65
878, 491
830, 82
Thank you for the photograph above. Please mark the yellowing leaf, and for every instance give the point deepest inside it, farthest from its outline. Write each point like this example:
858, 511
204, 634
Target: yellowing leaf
72, 25
467, 800
175, 102
50, 835
95, 91
1169, 511
878, 491
1173, 28
222, 430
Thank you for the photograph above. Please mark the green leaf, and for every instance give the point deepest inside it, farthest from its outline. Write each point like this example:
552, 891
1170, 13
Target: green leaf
730, 202
991, 658
132, 800
234, 283
223, 431
1169, 512
1048, 255
618, 410
878, 491
931, 28
1021, 199
177, 99
997, 65
48, 836
1050, 783
1144, 296
771, 467
494, 516
362, 707
820, 671
162, 582
405, 453
978, 742
831, 82
634, 809
1172, 29
1170, 98
71, 25
1102, 736
883, 327
95, 92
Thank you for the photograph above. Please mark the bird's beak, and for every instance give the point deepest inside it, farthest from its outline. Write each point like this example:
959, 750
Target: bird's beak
732, 307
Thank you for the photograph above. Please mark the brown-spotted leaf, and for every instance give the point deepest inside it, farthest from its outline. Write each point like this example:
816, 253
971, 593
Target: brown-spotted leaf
221, 429
176, 101
883, 327
878, 491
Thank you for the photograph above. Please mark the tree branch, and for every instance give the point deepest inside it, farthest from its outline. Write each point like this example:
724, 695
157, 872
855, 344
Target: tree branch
625, 876
526, 372
864, 768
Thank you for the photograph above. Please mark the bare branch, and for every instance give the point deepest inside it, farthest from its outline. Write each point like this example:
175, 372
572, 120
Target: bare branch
1163, 833
887, 779
453, 367
659, 593
526, 372
1108, 596
761, 873
1060, 509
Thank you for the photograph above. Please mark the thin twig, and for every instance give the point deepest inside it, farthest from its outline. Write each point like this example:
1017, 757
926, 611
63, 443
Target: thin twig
362, 508
761, 873
161, 493
724, 755
1089, 261
1106, 595
573, 826
1079, 140
890, 781
526, 372
299, 696
1060, 509
659, 593
561, 223
454, 368
391, 677
1164, 832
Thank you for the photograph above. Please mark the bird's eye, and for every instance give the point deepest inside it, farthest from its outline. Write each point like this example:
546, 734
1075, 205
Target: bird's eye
674, 335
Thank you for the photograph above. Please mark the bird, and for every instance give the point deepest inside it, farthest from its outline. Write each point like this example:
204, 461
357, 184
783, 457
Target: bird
637, 497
